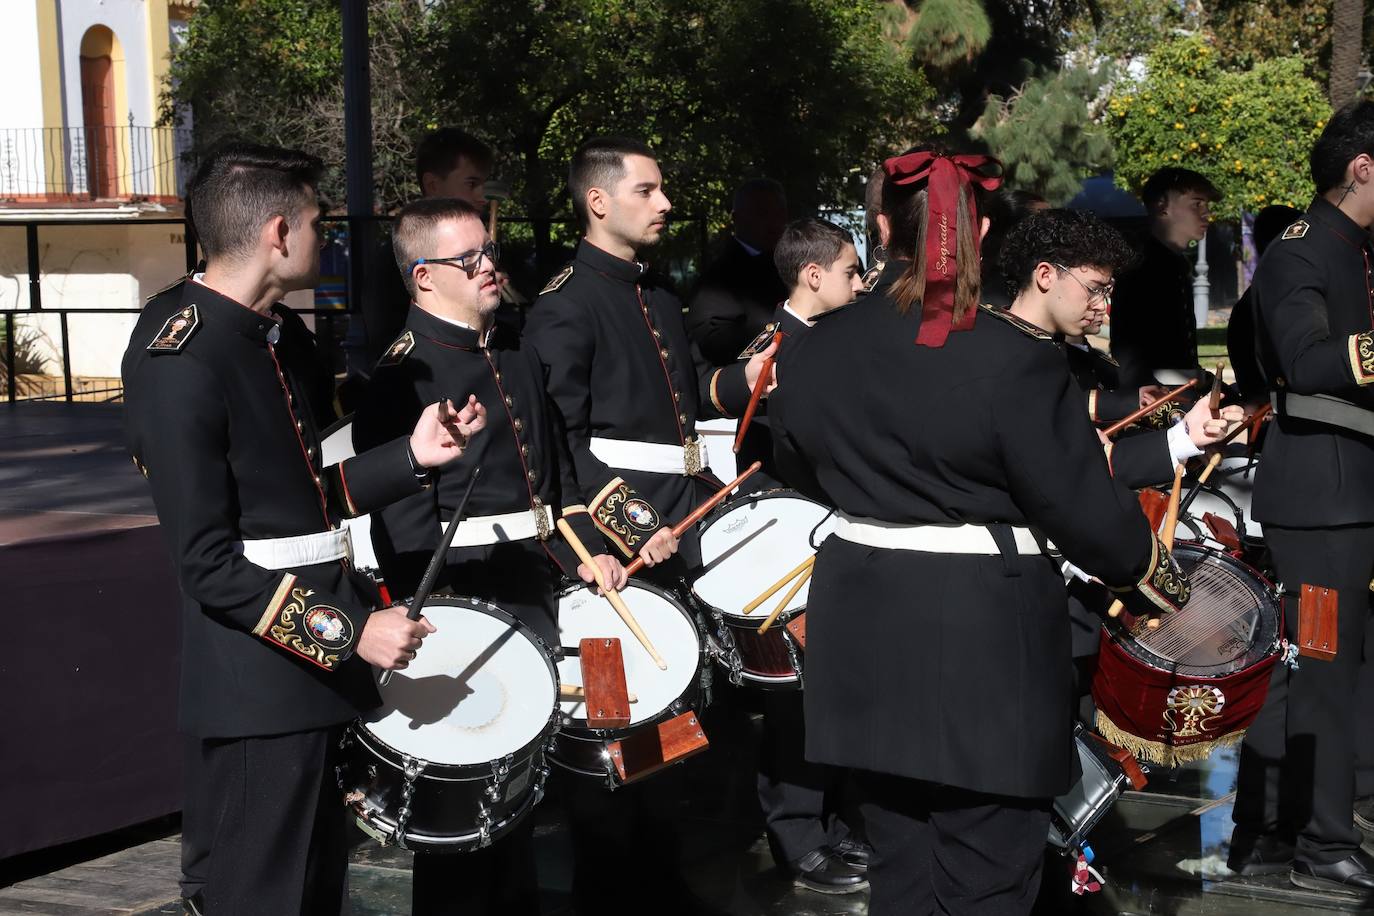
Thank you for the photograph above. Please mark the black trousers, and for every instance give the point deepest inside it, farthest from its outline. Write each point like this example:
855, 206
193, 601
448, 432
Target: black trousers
938, 849
500, 880
799, 798
1298, 762
277, 837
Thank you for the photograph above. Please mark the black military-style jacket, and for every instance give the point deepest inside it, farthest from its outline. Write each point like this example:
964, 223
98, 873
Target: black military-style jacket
1138, 458
621, 366
1314, 305
522, 452
734, 298
950, 667
222, 427
1153, 325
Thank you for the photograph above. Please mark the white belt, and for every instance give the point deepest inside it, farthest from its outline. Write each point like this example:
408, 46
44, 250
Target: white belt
975, 539
653, 457
483, 530
300, 550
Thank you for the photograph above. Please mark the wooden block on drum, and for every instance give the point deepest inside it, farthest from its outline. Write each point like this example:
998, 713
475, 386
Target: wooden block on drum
1223, 531
1317, 618
649, 750
797, 627
606, 695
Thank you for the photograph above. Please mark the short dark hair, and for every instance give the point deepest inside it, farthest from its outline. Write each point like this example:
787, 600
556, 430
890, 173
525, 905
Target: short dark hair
757, 187
600, 163
1172, 179
1070, 238
412, 231
1349, 133
1269, 222
808, 241
239, 186
439, 150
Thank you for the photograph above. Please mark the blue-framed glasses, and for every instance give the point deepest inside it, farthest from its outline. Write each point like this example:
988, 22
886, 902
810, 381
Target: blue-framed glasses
469, 262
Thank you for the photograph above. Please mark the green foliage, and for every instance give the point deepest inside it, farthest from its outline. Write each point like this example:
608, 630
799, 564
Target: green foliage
949, 32
1046, 134
1249, 131
1123, 30
806, 91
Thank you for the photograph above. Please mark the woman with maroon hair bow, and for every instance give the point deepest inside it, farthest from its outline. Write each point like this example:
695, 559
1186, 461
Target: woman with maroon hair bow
953, 443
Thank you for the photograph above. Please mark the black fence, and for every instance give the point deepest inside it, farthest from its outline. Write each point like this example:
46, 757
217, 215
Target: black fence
680, 257
116, 162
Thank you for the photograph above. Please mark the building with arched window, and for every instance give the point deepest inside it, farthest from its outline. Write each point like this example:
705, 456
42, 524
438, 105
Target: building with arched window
86, 170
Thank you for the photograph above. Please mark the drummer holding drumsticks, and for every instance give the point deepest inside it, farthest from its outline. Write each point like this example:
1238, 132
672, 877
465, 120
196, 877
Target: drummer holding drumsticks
504, 549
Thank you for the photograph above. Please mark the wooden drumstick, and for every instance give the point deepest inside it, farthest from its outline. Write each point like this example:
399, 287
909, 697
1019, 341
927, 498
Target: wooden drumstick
574, 692
791, 593
697, 514
776, 587
1211, 466
1214, 399
754, 396
1124, 422
610, 594
1166, 537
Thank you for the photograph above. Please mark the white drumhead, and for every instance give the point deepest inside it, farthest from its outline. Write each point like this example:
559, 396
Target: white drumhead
335, 446
478, 689
752, 545
582, 614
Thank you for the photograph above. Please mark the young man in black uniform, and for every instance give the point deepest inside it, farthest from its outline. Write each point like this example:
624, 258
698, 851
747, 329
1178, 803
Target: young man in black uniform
1314, 495
502, 550
278, 642
800, 800
629, 385
1061, 263
938, 643
628, 381
1153, 325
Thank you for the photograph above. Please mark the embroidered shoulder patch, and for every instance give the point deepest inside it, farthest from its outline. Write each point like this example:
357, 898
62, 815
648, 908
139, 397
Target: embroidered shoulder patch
1025, 327
1297, 230
871, 277
176, 331
558, 280
760, 341
400, 348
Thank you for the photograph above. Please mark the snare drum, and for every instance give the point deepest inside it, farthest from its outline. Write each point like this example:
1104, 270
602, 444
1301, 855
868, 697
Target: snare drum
660, 696
747, 545
1175, 693
454, 756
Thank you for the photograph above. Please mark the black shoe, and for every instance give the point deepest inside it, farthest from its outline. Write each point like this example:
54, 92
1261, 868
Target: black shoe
855, 853
1263, 854
1353, 874
194, 905
822, 870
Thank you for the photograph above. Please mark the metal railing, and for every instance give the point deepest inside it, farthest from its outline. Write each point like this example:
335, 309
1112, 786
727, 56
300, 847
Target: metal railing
116, 162
684, 258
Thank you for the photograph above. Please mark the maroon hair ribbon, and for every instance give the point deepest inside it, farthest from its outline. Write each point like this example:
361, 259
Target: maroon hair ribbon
944, 176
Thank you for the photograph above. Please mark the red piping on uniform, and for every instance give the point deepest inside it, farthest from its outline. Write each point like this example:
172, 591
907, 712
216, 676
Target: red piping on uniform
659, 345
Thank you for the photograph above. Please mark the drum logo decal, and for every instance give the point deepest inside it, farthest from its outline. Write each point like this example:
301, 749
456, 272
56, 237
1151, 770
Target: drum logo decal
1197, 707
327, 626
641, 515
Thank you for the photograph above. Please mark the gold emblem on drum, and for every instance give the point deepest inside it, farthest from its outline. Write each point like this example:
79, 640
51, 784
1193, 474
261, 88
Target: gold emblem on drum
1197, 707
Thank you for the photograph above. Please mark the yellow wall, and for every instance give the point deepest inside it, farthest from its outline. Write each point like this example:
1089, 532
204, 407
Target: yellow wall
50, 82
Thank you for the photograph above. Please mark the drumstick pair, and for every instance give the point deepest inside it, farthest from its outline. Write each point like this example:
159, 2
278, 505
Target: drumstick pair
798, 577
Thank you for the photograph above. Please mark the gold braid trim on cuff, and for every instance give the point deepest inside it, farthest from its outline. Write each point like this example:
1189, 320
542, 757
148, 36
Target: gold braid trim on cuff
278, 599
1362, 357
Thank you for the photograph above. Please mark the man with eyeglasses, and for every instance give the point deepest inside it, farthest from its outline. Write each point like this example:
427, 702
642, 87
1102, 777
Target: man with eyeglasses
1061, 263
1153, 326
504, 550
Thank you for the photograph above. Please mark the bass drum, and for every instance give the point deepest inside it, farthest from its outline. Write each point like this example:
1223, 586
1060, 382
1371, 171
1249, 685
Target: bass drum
454, 756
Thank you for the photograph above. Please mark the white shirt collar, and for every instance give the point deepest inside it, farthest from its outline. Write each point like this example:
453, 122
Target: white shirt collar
481, 338
787, 307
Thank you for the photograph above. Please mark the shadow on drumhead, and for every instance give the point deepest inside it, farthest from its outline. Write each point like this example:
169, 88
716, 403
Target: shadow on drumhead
430, 699
737, 547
